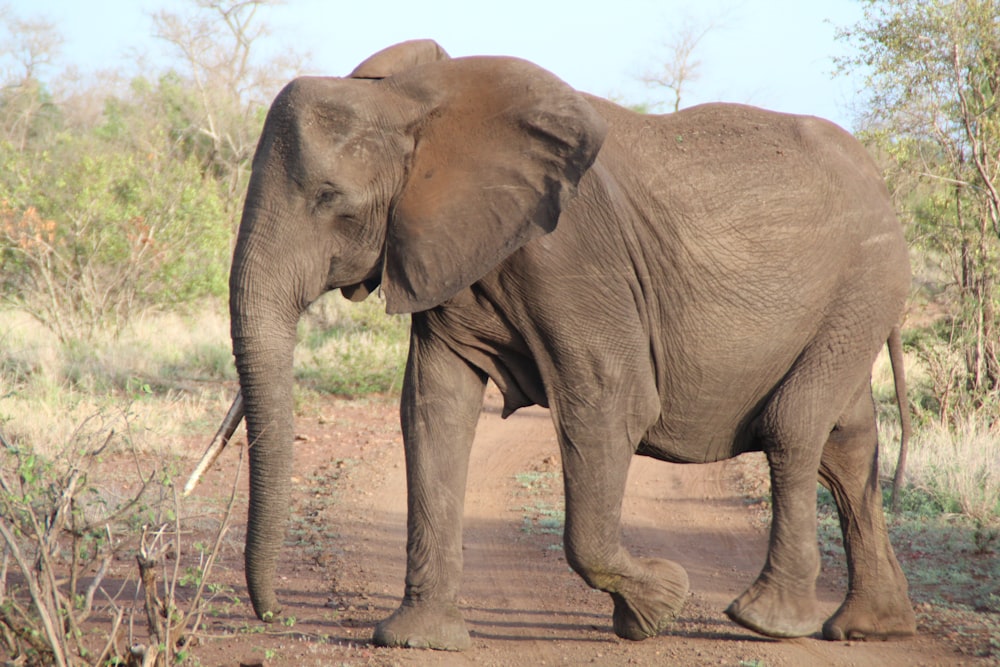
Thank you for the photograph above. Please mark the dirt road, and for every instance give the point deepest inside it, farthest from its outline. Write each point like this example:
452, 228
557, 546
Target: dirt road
343, 566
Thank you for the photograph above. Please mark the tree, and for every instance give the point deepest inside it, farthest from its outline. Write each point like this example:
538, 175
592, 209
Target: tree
679, 69
221, 97
100, 221
27, 48
933, 109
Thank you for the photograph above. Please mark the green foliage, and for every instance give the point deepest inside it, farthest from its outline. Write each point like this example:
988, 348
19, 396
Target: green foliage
355, 365
104, 218
947, 561
933, 114
93, 232
351, 349
915, 501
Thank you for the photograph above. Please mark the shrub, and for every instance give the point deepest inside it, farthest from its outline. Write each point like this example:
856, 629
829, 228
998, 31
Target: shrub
350, 349
63, 528
91, 235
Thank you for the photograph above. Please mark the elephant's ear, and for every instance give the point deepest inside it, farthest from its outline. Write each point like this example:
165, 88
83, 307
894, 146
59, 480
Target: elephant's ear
398, 58
498, 155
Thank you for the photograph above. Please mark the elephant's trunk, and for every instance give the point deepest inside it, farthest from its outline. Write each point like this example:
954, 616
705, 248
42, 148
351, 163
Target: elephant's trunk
264, 315
266, 381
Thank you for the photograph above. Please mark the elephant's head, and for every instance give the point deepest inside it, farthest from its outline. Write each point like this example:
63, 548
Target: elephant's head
419, 173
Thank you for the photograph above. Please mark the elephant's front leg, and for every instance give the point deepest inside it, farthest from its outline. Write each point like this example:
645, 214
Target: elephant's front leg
648, 593
442, 398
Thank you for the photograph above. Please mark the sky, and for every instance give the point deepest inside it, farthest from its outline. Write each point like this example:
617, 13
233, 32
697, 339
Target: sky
771, 53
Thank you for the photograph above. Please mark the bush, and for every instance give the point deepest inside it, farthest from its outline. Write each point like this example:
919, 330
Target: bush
64, 527
350, 349
91, 235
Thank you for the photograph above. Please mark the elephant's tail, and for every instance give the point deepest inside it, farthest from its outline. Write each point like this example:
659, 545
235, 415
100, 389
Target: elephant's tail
895, 344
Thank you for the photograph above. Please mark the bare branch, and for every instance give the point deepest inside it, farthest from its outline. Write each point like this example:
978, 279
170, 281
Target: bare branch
51, 628
680, 69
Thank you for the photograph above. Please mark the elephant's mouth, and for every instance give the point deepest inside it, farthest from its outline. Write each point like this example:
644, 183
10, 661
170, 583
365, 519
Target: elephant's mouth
360, 291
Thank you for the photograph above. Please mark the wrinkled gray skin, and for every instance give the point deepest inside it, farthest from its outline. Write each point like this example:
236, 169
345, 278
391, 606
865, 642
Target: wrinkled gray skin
688, 287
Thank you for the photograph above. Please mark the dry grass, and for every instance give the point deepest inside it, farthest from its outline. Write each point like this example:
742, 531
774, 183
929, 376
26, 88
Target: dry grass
164, 383
957, 466
152, 385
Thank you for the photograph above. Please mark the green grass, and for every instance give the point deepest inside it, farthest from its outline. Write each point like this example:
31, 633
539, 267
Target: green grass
544, 513
543, 518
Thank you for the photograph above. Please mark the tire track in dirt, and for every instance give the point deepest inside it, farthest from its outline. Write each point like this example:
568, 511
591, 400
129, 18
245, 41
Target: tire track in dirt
520, 600
520, 596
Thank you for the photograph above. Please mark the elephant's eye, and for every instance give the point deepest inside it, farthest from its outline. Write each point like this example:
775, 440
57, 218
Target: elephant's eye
326, 197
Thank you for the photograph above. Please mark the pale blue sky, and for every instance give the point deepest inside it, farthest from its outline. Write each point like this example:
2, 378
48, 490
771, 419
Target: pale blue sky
772, 53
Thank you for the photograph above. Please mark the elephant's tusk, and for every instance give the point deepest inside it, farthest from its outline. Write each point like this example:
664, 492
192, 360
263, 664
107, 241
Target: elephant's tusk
219, 442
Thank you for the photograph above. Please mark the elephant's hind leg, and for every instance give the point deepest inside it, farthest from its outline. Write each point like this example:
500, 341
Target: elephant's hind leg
648, 593
792, 429
876, 604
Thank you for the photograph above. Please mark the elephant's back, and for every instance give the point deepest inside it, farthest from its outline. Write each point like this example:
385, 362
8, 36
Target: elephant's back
705, 160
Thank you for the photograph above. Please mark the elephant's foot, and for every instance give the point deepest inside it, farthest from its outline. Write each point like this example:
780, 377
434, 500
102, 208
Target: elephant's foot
646, 606
886, 615
424, 625
775, 612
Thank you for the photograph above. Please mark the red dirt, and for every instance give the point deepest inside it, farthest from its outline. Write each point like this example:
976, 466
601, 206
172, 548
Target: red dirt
343, 564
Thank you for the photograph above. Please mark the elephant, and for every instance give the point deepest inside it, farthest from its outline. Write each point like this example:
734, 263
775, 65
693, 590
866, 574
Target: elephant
688, 287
